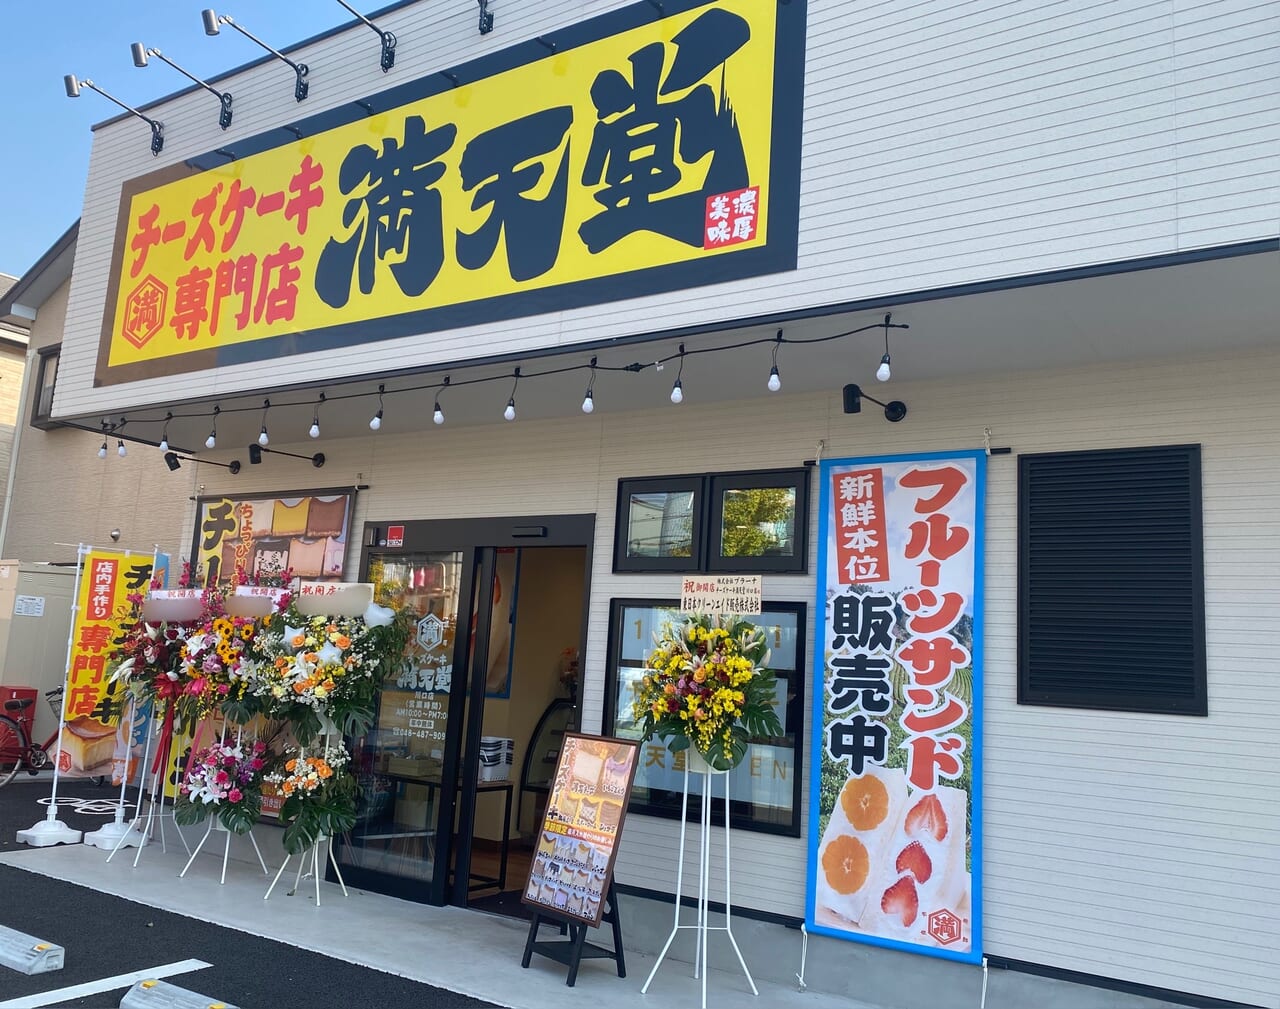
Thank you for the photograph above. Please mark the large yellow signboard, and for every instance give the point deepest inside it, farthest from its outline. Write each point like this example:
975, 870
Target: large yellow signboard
633, 153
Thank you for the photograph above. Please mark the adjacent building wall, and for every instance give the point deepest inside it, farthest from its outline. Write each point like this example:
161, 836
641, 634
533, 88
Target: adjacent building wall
64, 495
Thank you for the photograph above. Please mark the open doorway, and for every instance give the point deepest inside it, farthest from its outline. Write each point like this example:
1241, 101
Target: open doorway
536, 624
499, 607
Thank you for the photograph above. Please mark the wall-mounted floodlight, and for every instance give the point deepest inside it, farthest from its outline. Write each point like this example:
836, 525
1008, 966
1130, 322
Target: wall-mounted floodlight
388, 38
173, 461
255, 455
486, 18
73, 85
140, 54
212, 26
894, 410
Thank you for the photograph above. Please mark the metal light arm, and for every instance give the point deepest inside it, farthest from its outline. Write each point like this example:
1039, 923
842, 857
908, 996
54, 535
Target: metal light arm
73, 86
211, 23
388, 38
140, 54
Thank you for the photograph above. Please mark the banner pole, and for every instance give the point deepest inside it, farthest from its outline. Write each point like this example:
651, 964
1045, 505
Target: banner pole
51, 830
109, 836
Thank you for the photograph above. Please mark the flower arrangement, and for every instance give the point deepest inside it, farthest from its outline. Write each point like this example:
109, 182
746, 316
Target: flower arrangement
316, 669
224, 779
707, 686
319, 796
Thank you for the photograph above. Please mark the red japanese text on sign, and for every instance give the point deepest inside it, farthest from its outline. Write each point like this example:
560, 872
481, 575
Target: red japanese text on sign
931, 656
862, 549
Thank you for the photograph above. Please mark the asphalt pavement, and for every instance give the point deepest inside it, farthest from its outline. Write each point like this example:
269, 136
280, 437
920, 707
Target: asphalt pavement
107, 936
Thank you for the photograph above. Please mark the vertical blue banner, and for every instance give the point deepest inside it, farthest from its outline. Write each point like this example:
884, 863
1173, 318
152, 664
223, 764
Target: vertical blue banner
895, 805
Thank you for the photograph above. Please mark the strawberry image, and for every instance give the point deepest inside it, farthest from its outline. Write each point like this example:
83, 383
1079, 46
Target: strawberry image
927, 817
915, 860
902, 900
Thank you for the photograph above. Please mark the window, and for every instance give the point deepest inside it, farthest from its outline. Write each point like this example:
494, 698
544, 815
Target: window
46, 379
1111, 580
719, 522
764, 790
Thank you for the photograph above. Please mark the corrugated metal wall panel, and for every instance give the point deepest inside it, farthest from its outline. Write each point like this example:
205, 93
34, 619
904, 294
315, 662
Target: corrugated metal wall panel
1000, 139
1136, 846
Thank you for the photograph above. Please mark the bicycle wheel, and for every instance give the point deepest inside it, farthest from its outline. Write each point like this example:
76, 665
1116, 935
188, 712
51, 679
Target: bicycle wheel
13, 744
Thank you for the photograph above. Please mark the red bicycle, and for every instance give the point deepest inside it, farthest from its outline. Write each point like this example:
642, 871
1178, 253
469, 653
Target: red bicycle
16, 750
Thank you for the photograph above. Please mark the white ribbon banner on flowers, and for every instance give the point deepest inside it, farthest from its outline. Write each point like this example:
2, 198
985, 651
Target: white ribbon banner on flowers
741, 595
334, 599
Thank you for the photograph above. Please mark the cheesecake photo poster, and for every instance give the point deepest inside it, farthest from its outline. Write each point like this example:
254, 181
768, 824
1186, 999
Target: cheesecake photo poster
895, 856
98, 737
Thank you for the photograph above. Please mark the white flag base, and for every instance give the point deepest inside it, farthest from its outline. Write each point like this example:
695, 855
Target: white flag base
49, 832
114, 835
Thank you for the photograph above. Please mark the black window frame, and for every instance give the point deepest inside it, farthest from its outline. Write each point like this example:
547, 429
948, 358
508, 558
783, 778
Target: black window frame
797, 715
708, 490
44, 420
1192, 697
653, 485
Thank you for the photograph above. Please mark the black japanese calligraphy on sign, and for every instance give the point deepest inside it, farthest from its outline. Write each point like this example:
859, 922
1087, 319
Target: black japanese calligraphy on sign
502, 165
219, 522
399, 211
649, 120
864, 622
857, 742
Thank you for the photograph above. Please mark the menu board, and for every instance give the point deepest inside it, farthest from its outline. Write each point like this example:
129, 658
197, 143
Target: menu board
573, 862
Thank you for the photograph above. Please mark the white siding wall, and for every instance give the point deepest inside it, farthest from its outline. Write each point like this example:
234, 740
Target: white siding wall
1140, 847
943, 143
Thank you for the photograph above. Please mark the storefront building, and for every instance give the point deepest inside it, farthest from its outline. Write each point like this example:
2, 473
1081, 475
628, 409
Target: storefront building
528, 291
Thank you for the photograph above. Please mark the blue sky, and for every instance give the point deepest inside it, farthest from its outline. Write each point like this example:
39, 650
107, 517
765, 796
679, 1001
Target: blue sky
47, 136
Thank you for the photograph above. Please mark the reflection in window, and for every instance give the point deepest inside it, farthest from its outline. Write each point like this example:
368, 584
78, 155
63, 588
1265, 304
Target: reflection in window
758, 522
660, 524
764, 788
46, 380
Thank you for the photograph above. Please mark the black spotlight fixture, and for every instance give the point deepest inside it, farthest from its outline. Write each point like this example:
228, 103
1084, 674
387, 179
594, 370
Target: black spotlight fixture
894, 410
213, 25
486, 18
388, 38
171, 459
255, 455
73, 85
140, 55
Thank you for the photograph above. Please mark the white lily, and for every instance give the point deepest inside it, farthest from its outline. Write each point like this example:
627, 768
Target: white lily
123, 671
196, 644
329, 655
378, 616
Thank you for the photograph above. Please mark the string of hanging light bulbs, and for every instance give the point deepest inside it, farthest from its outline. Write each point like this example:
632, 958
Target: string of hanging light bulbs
773, 384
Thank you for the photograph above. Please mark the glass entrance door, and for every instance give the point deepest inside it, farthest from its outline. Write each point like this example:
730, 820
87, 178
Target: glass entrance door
405, 770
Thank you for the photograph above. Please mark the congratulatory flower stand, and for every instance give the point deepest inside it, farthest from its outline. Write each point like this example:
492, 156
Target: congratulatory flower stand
708, 693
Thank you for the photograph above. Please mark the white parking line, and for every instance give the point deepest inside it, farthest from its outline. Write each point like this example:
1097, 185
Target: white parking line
46, 998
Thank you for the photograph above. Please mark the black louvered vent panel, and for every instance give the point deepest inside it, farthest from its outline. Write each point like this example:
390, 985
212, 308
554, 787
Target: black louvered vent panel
1110, 580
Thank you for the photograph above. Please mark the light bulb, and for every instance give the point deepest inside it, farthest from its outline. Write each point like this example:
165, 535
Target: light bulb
164, 443
677, 392
263, 440
588, 402
212, 440
882, 372
438, 415
315, 429
121, 451
102, 452
510, 412
376, 421
775, 383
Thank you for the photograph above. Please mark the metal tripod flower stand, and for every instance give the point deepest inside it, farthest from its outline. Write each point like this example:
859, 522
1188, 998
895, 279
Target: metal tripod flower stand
694, 762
